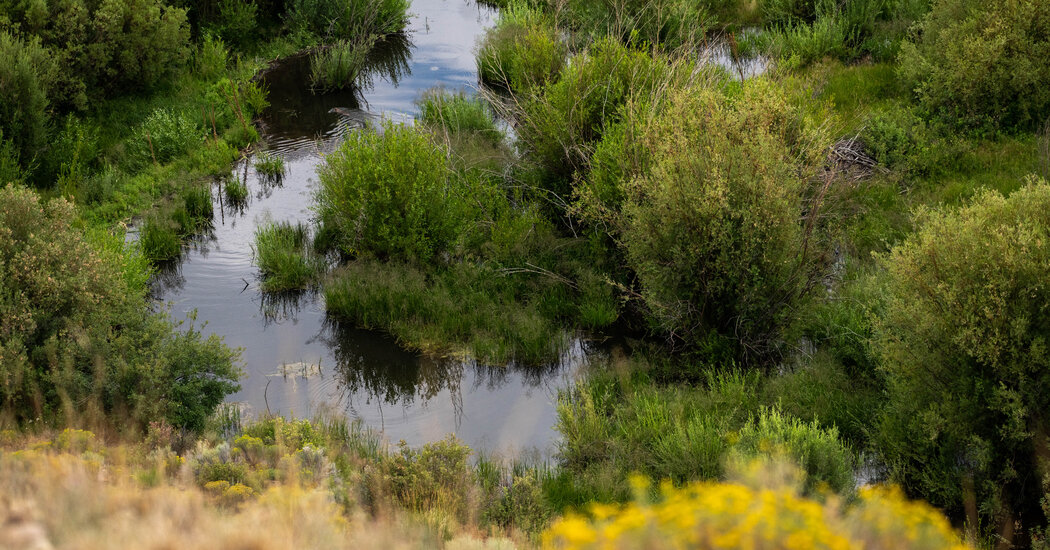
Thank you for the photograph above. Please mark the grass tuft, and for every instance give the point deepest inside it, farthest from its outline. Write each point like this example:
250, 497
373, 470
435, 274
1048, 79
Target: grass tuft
284, 257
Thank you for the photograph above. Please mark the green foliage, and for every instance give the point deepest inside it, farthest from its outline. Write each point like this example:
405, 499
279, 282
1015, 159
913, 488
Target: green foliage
211, 58
270, 165
520, 504
456, 113
78, 338
818, 451
390, 194
159, 239
435, 477
614, 429
235, 191
559, 128
284, 256
337, 66
705, 204
347, 19
982, 65
171, 134
665, 23
963, 346
236, 21
466, 308
25, 76
522, 51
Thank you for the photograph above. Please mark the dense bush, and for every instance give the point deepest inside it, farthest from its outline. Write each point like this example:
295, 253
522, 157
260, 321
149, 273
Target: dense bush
706, 204
982, 65
390, 193
25, 76
689, 434
165, 135
559, 128
522, 51
963, 345
77, 338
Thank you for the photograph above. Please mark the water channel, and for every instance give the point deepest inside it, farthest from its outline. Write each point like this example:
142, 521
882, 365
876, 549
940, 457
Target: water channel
295, 362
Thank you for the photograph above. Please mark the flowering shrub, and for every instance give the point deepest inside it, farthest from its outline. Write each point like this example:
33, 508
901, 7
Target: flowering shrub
739, 515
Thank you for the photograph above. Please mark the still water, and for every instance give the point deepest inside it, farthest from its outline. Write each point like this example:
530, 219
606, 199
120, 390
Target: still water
296, 363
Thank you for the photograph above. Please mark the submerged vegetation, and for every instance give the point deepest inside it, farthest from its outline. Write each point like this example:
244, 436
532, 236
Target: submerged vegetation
825, 275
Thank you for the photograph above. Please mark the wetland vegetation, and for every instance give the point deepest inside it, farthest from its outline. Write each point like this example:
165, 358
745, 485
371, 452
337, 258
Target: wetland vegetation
826, 282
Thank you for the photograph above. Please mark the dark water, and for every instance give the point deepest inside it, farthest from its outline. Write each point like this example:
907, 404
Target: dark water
297, 364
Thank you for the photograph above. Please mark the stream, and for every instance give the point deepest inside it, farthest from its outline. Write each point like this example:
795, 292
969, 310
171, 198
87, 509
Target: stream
297, 364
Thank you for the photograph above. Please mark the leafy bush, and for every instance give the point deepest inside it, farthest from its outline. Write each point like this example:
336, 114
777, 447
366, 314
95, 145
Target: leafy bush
78, 341
559, 128
390, 194
705, 203
24, 81
285, 258
982, 65
434, 478
963, 345
165, 135
522, 51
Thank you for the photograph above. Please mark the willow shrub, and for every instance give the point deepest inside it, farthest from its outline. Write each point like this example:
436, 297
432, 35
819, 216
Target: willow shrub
705, 202
25, 76
390, 193
559, 127
521, 51
982, 65
78, 342
963, 342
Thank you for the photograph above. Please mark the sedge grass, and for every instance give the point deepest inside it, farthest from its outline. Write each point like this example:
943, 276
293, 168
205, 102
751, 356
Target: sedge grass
285, 259
337, 67
270, 165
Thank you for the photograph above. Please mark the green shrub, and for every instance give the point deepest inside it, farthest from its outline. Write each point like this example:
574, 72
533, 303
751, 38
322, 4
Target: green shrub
236, 21
211, 58
284, 257
434, 478
24, 80
982, 65
165, 135
456, 113
522, 51
79, 342
963, 346
819, 452
559, 128
337, 66
709, 220
390, 194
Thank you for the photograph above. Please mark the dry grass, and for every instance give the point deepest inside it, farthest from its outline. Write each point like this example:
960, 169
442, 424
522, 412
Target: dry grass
71, 491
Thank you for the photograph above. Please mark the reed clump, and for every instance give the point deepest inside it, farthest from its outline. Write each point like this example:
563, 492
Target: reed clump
285, 257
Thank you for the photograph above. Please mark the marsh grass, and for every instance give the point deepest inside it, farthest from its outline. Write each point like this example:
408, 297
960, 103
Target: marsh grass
159, 239
270, 165
457, 113
338, 66
235, 191
285, 258
464, 310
